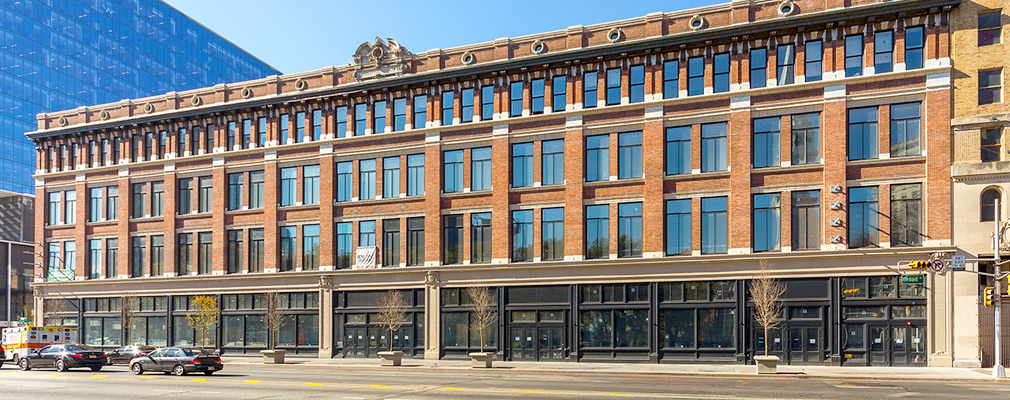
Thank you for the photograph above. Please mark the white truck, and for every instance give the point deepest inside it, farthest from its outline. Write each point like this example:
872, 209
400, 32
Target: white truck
26, 339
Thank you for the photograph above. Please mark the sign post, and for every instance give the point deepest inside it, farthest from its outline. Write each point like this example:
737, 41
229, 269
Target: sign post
997, 366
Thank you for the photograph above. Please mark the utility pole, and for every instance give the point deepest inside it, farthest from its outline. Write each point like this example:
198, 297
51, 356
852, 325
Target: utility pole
997, 365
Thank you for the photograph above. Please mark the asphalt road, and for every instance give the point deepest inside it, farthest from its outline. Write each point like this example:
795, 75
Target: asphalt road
301, 382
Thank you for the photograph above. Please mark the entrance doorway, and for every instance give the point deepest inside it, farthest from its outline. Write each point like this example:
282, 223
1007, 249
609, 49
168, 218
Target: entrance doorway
538, 343
895, 343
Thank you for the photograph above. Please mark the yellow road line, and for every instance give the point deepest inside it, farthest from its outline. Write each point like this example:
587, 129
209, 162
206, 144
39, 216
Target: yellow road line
452, 388
55, 374
251, 381
198, 380
380, 387
97, 376
313, 384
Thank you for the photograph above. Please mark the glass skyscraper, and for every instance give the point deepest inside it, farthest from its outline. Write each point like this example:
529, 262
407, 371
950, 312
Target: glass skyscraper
61, 54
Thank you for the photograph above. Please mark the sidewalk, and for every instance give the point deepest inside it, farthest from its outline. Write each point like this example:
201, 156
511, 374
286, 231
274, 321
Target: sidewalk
714, 370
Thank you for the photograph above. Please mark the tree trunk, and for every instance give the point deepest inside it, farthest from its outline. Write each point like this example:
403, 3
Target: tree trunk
482, 340
390, 340
766, 341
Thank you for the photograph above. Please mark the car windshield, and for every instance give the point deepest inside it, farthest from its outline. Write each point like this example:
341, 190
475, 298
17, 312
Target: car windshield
78, 348
188, 352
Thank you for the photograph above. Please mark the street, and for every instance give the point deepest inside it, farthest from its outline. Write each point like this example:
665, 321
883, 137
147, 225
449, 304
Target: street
303, 382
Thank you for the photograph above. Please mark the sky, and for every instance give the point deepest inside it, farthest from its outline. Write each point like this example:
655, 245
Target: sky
302, 35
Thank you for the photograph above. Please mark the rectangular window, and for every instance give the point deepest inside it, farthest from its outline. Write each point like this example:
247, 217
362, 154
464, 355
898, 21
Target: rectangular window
399, 114
466, 105
148, 149
766, 143
863, 217
235, 191
285, 125
629, 155
415, 241
300, 127
990, 85
247, 132
671, 79
206, 194
181, 137
256, 251
758, 68
906, 215
94, 258
559, 93
138, 252
785, 64
854, 55
366, 179
553, 162
713, 147
613, 86
767, 222
185, 196
139, 200
806, 129
537, 92
480, 169
906, 129
345, 180
991, 139
553, 234
415, 175
453, 166
342, 121
480, 238
289, 186
70, 206
914, 45
597, 158
390, 177
883, 51
420, 111
678, 150
360, 119
522, 164
112, 204
636, 86
232, 134
590, 81
862, 133
195, 146
344, 248
629, 230
597, 231
516, 99
185, 255
289, 245
209, 137
486, 102
391, 242
522, 235
448, 99
310, 247
234, 251
379, 116
806, 220
54, 208
713, 225
257, 190
261, 133
310, 184
95, 204
989, 26
366, 233
452, 237
205, 253
112, 258
678, 227
157, 199
720, 70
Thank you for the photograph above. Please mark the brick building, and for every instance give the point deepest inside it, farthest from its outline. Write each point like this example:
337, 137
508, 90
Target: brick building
617, 185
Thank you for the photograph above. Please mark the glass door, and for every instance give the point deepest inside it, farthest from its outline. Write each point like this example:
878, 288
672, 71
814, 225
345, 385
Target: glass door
355, 345
523, 345
551, 345
879, 345
908, 345
805, 345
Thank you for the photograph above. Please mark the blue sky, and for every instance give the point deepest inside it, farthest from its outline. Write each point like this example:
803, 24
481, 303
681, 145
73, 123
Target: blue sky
302, 35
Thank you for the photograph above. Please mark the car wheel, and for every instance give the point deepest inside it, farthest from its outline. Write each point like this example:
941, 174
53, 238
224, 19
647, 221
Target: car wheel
208, 373
137, 369
179, 370
96, 368
24, 365
61, 365
16, 359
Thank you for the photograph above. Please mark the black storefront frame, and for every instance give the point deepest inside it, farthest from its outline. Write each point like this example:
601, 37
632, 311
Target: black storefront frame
415, 313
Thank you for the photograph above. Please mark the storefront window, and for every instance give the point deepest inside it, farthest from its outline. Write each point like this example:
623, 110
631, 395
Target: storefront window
233, 330
678, 328
596, 329
696, 291
882, 286
908, 311
632, 328
865, 312
255, 331
454, 329
716, 327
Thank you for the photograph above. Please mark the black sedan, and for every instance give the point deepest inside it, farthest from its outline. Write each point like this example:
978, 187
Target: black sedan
63, 357
176, 360
124, 354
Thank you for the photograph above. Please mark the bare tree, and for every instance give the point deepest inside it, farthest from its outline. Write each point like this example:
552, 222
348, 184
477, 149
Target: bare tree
766, 293
203, 315
483, 307
274, 316
129, 306
53, 309
392, 312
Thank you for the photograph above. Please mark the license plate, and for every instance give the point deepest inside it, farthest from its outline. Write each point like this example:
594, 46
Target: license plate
210, 368
91, 356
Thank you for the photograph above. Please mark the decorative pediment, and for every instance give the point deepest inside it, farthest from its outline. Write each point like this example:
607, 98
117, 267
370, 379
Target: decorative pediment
380, 59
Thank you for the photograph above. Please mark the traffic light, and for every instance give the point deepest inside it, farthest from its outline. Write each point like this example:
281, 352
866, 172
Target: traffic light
918, 264
989, 297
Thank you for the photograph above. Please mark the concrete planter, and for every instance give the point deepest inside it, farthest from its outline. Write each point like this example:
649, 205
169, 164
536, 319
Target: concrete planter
767, 364
481, 360
390, 358
273, 356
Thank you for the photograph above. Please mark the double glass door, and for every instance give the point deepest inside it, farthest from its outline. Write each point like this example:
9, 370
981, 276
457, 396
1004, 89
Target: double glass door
894, 344
367, 341
537, 343
805, 345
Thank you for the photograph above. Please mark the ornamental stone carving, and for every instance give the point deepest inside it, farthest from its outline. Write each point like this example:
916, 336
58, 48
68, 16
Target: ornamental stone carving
380, 59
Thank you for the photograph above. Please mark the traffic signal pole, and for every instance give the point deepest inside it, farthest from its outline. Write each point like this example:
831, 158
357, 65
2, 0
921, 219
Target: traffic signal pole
997, 365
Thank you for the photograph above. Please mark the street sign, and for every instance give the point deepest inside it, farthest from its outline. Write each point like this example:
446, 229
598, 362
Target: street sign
957, 263
936, 265
913, 279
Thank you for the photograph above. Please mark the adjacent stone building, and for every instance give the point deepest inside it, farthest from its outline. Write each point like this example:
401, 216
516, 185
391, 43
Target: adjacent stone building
617, 185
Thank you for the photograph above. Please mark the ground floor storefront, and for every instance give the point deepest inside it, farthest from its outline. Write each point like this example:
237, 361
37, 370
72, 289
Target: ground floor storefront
872, 314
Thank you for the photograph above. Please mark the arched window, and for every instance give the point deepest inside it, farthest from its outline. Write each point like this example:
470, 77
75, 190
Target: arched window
987, 204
